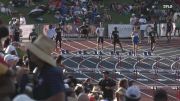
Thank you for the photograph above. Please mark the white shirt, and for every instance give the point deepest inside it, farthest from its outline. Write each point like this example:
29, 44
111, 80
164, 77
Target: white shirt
142, 27
149, 29
22, 20
9, 49
51, 33
133, 20
100, 31
142, 21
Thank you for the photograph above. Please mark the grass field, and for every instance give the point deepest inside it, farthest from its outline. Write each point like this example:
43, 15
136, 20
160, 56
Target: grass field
116, 18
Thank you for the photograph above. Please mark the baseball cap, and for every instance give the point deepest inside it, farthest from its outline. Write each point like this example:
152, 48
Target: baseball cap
133, 92
10, 57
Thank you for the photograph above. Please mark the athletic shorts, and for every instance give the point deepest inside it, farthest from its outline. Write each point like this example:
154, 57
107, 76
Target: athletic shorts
100, 39
116, 41
58, 39
135, 40
153, 40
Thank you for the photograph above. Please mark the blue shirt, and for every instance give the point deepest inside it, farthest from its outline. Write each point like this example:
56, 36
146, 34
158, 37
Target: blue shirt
49, 83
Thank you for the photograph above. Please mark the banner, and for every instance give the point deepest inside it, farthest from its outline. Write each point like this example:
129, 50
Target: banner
125, 30
26, 30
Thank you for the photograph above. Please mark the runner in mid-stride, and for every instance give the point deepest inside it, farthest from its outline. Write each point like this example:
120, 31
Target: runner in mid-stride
116, 39
135, 40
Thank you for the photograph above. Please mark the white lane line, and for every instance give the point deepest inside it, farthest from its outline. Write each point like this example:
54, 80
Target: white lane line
82, 45
71, 46
160, 54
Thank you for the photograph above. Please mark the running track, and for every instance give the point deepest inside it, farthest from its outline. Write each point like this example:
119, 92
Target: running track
90, 66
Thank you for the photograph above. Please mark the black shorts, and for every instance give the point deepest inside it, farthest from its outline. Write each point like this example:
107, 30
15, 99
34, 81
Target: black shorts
58, 39
116, 41
100, 39
153, 40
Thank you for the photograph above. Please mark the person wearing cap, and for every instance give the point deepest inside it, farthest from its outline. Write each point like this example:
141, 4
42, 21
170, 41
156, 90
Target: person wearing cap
94, 94
48, 79
107, 86
33, 35
7, 87
121, 91
11, 60
133, 19
116, 39
133, 94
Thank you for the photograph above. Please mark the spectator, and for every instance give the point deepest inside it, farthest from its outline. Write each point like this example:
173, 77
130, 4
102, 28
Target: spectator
87, 85
59, 61
22, 20
82, 96
6, 43
3, 32
133, 94
51, 32
160, 95
120, 93
70, 94
94, 94
71, 81
142, 21
22, 97
11, 49
177, 22
11, 60
133, 19
57, 15
107, 86
49, 83
33, 35
7, 82
17, 32
78, 89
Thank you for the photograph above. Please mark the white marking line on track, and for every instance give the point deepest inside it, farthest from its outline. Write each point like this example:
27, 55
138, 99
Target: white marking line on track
160, 54
152, 80
144, 62
70, 46
165, 84
82, 44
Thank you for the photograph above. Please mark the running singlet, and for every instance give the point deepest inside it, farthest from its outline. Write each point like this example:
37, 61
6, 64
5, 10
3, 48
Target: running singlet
58, 31
100, 31
115, 34
169, 26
